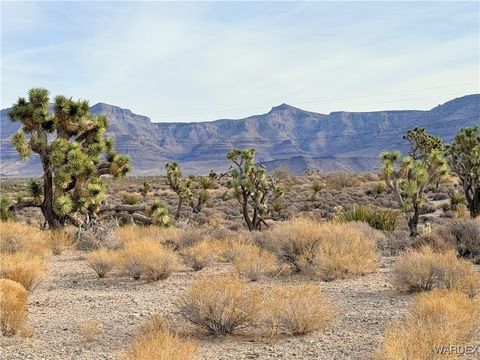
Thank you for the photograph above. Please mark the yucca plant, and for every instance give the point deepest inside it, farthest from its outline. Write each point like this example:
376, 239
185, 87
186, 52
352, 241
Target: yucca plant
379, 219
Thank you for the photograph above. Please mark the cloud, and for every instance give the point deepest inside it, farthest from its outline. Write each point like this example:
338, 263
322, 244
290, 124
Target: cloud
186, 61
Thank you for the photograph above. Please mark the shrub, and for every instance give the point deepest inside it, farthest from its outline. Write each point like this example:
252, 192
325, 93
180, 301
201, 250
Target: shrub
296, 310
16, 237
433, 240
254, 262
466, 234
199, 255
234, 247
220, 305
102, 261
155, 323
438, 318
13, 306
162, 345
90, 329
328, 250
23, 268
130, 198
424, 269
149, 258
58, 240
378, 219
98, 234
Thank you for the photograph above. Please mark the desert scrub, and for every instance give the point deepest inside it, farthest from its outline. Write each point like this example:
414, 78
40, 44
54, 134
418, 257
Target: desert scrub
90, 330
254, 262
384, 220
327, 250
148, 258
18, 237
295, 310
425, 269
155, 323
437, 318
221, 305
134, 232
28, 270
58, 240
13, 306
163, 346
200, 255
102, 261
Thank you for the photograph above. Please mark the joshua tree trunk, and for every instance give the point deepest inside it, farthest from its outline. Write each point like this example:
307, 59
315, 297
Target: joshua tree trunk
413, 221
473, 201
47, 205
179, 208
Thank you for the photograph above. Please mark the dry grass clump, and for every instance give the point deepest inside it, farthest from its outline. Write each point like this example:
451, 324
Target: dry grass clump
13, 306
26, 269
295, 310
425, 269
90, 329
438, 318
235, 246
254, 262
129, 233
162, 346
328, 250
200, 255
102, 261
148, 258
58, 240
18, 237
187, 236
221, 305
155, 323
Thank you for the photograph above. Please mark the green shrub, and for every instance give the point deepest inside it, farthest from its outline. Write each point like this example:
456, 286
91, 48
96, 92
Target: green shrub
378, 219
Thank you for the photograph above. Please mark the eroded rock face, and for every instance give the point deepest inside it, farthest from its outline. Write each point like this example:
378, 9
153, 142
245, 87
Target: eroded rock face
285, 136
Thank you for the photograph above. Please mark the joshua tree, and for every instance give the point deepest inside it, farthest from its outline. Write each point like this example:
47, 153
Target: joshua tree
74, 151
182, 187
464, 159
422, 143
252, 187
205, 183
408, 177
145, 189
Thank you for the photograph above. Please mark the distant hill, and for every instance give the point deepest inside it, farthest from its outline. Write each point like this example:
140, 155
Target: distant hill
286, 136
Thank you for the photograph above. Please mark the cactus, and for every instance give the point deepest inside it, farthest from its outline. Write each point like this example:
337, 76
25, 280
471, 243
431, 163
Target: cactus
74, 152
408, 177
251, 186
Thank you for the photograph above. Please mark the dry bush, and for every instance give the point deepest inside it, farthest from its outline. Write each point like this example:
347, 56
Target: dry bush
340, 181
188, 236
424, 269
328, 250
102, 261
162, 346
221, 305
200, 255
438, 318
295, 310
433, 240
234, 247
58, 240
129, 233
254, 262
17, 237
13, 306
98, 234
149, 258
465, 233
155, 323
26, 269
90, 329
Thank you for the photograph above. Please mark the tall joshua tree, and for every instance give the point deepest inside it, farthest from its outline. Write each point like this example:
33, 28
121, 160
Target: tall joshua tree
182, 187
252, 187
409, 176
74, 151
464, 160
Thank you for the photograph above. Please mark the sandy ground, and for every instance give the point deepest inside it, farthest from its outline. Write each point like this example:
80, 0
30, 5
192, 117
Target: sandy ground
73, 293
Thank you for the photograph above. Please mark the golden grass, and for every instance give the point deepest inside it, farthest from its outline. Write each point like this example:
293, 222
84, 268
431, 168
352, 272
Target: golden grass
221, 305
148, 258
24, 268
295, 310
162, 346
13, 306
327, 250
18, 237
155, 323
200, 255
102, 261
58, 240
90, 330
254, 262
425, 269
133, 233
233, 247
438, 318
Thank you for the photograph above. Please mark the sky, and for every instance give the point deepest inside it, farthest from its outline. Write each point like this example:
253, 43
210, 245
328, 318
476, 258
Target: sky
196, 61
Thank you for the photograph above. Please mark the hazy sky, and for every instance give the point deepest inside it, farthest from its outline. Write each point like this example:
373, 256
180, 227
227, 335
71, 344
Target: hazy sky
189, 61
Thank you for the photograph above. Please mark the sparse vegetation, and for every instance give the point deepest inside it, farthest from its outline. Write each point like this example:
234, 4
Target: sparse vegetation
199, 255
253, 262
221, 305
28, 270
378, 219
438, 318
102, 261
13, 306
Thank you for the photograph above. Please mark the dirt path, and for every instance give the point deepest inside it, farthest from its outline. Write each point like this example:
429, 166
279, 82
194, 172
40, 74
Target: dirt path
73, 294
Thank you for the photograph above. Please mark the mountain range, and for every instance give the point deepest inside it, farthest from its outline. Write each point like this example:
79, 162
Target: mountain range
286, 136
